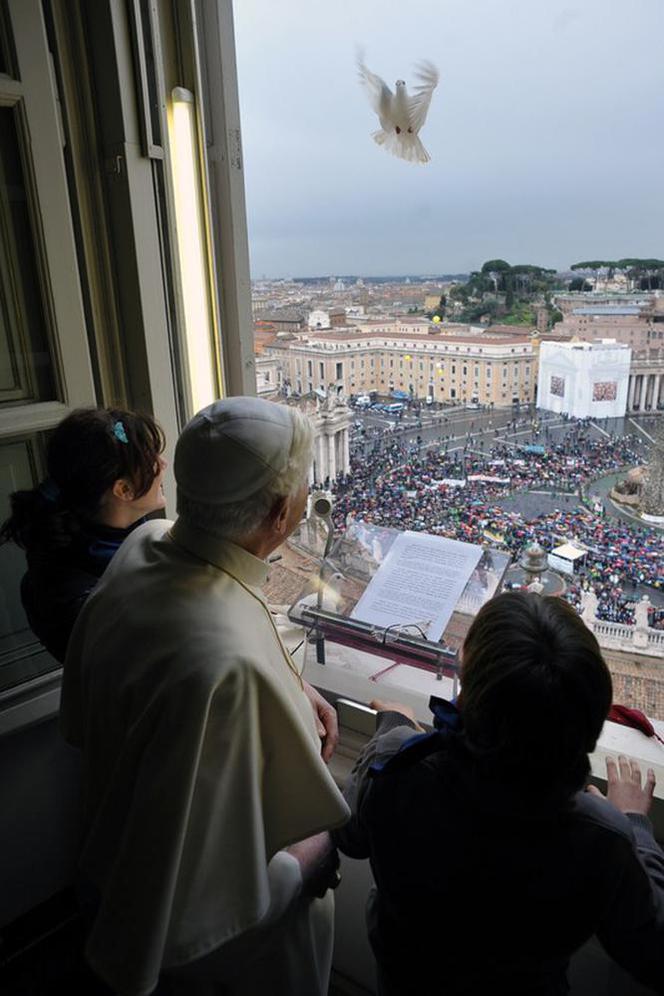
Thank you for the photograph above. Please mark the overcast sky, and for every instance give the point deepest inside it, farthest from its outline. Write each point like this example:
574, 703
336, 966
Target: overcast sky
546, 134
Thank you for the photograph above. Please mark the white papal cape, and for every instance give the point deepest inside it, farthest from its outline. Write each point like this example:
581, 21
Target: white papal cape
200, 753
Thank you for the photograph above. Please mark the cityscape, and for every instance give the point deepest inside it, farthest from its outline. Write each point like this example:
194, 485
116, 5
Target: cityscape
473, 367
514, 407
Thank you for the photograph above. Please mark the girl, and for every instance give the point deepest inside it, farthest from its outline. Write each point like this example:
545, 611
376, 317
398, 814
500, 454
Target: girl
105, 472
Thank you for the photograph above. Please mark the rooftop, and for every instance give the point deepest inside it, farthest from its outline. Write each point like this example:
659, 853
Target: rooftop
484, 338
284, 315
609, 310
596, 346
288, 576
511, 330
263, 337
395, 320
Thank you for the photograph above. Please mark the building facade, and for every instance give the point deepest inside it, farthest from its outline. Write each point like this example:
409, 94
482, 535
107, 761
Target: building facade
584, 379
318, 319
388, 356
635, 321
268, 376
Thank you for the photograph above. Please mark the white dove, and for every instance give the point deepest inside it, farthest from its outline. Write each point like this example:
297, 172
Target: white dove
401, 116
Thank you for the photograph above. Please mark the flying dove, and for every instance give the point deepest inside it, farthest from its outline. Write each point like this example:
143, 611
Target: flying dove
401, 116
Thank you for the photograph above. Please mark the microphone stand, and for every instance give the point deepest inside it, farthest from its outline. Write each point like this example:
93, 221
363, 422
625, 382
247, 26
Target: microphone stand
320, 639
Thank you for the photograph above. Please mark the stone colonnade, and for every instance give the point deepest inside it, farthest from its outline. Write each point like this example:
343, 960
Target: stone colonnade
332, 444
645, 391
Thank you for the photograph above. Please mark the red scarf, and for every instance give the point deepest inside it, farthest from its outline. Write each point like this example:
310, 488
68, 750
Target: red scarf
634, 718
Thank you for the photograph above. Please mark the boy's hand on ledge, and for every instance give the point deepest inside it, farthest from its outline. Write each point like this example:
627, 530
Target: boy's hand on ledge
624, 786
380, 706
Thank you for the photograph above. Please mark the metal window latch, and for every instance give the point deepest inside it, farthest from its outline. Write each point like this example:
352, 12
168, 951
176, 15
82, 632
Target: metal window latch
114, 165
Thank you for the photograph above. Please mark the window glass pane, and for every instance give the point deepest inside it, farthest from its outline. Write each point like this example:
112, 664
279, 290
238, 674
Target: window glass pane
16, 473
524, 474
21, 656
154, 109
26, 365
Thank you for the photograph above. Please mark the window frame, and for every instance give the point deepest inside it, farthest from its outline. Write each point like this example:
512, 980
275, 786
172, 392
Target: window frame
224, 164
39, 125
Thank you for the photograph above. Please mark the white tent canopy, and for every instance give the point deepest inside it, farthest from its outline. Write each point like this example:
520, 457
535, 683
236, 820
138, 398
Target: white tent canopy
565, 558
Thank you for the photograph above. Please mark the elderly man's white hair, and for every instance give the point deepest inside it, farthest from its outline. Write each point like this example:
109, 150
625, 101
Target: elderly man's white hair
237, 520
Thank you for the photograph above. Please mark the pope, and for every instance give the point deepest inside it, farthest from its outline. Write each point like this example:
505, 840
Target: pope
205, 788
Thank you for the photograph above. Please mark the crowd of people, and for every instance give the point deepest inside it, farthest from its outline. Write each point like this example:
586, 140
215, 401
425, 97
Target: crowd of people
613, 604
656, 618
461, 494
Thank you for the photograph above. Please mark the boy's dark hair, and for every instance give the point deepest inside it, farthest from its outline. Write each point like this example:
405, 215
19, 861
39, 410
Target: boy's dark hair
86, 453
535, 692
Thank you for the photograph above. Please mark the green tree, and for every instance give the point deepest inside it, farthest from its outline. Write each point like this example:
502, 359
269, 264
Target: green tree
459, 292
498, 271
532, 279
594, 264
643, 274
439, 311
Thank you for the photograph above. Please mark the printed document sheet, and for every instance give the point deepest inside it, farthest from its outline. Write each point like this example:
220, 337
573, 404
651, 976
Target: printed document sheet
420, 581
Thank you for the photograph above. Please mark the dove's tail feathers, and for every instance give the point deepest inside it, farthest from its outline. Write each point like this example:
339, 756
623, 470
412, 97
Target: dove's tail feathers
404, 146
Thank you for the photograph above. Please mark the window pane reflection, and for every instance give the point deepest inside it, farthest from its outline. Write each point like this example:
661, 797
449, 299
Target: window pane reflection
26, 365
21, 656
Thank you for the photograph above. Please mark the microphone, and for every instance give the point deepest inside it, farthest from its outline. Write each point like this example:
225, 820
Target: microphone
321, 504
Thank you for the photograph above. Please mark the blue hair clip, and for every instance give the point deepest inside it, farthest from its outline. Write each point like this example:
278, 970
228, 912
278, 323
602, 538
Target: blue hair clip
119, 432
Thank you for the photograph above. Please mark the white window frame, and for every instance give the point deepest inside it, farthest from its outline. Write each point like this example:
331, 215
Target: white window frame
37, 101
226, 184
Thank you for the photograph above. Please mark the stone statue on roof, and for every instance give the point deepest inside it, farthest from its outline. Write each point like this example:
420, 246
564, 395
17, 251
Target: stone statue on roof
330, 402
589, 603
641, 613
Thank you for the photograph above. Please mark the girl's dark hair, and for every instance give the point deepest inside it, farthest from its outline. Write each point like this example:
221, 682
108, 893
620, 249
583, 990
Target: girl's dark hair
88, 451
535, 693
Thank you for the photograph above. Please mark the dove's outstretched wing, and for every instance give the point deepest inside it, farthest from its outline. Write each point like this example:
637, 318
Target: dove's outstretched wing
421, 98
379, 93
